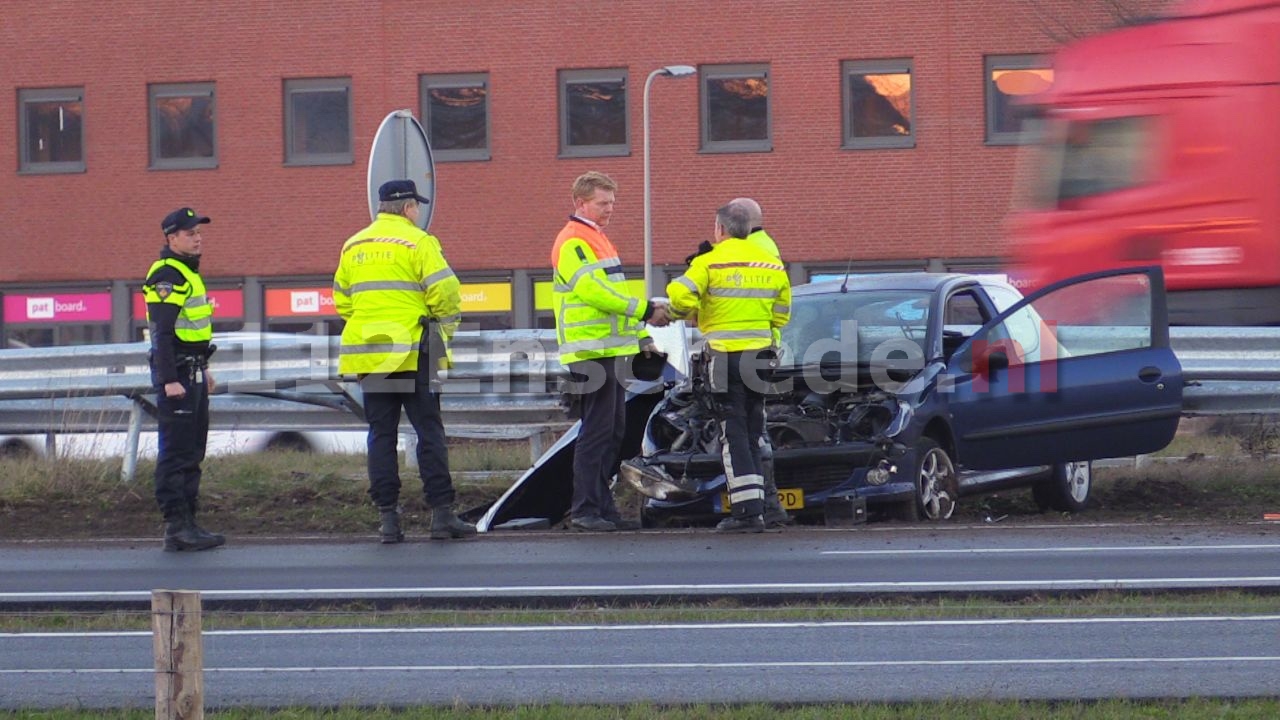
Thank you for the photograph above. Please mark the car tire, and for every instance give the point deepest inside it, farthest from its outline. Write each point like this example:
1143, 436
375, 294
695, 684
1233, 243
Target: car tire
934, 478
1067, 489
15, 449
288, 442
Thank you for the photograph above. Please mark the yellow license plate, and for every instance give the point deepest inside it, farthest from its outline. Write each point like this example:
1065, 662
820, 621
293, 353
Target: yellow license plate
792, 499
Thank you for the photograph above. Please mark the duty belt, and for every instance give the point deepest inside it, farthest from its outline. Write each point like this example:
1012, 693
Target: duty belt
191, 361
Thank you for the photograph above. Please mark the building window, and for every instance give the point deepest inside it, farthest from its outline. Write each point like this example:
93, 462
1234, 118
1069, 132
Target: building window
50, 130
182, 126
593, 113
1011, 79
735, 108
877, 104
455, 111
317, 121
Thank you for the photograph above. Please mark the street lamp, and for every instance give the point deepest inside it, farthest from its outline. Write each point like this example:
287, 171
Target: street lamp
668, 71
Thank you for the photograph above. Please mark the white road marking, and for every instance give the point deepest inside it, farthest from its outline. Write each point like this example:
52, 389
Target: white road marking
681, 627
1074, 549
816, 664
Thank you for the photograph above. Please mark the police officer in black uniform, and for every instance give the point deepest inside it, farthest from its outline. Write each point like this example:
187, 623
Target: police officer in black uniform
180, 319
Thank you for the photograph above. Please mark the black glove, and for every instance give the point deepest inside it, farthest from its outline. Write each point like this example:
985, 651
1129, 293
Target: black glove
703, 248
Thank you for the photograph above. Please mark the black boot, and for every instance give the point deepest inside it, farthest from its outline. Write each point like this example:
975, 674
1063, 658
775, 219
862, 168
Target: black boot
741, 524
390, 530
217, 538
445, 525
775, 516
180, 533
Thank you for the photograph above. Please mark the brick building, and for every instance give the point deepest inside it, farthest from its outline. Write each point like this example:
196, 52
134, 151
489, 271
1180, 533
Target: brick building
875, 134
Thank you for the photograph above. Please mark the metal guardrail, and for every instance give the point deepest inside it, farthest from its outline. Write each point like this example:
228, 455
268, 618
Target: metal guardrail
1229, 370
502, 385
506, 361
1244, 362
502, 378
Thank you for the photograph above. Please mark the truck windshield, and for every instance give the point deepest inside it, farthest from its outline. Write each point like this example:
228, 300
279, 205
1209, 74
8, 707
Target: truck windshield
1083, 158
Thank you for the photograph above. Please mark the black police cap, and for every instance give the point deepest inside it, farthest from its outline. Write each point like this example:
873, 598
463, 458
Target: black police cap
182, 219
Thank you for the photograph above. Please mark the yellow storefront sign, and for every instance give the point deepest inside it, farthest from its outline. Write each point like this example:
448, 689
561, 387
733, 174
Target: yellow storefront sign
486, 297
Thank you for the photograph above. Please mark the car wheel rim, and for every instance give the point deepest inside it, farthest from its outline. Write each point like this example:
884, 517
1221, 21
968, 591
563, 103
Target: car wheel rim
936, 497
1078, 481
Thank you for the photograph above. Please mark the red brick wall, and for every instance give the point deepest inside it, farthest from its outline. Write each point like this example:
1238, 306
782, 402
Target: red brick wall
943, 198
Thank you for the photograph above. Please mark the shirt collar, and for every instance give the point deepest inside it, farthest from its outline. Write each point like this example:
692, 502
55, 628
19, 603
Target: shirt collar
585, 221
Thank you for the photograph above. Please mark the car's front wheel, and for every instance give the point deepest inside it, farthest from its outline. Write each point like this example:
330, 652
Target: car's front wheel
1067, 490
934, 477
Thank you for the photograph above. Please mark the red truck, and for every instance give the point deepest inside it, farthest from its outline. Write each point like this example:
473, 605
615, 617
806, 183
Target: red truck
1161, 145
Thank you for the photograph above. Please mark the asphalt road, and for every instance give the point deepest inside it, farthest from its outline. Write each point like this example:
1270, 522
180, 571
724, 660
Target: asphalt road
552, 566
778, 662
781, 662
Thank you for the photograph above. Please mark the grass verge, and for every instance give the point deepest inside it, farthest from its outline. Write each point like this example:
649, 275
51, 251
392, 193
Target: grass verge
301, 494
1190, 709
368, 615
269, 493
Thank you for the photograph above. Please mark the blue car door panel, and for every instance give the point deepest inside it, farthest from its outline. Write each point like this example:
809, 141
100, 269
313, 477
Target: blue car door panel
1081, 370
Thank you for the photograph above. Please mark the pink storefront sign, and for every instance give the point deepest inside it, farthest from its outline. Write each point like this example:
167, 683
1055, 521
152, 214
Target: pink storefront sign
69, 308
227, 304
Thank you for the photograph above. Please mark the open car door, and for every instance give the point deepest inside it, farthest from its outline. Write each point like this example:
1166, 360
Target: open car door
545, 491
1080, 370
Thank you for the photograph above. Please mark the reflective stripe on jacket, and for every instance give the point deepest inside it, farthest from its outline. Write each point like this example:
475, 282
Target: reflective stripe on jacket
390, 276
597, 316
740, 292
195, 318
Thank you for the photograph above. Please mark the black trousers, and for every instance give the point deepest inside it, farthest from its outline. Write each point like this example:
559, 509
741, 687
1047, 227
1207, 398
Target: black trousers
184, 431
384, 396
595, 455
741, 407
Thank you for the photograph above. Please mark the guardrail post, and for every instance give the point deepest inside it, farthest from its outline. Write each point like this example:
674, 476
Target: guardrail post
51, 445
130, 469
410, 443
179, 654
540, 441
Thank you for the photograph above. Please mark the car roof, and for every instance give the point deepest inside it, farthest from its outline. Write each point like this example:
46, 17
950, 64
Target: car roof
913, 281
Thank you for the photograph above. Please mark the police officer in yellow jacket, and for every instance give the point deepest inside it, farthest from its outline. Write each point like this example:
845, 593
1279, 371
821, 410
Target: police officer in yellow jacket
599, 322
402, 305
180, 323
774, 514
742, 297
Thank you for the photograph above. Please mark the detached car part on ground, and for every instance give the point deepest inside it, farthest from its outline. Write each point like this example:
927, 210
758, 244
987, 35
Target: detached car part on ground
911, 390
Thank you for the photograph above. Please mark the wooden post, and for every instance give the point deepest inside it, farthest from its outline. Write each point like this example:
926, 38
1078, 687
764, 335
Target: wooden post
179, 653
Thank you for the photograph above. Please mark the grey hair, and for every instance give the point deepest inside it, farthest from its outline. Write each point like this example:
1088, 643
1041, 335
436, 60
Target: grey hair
735, 220
755, 215
395, 207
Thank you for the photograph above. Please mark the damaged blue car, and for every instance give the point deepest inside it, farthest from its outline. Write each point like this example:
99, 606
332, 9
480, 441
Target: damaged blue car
906, 391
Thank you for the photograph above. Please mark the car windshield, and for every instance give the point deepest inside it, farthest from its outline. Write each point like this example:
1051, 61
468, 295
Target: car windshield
840, 327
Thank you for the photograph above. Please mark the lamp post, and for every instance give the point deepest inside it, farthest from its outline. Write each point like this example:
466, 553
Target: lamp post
668, 71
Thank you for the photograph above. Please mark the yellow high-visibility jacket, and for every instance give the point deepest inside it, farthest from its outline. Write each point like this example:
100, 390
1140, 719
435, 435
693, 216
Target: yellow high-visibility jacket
390, 275
740, 292
195, 319
597, 316
761, 239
